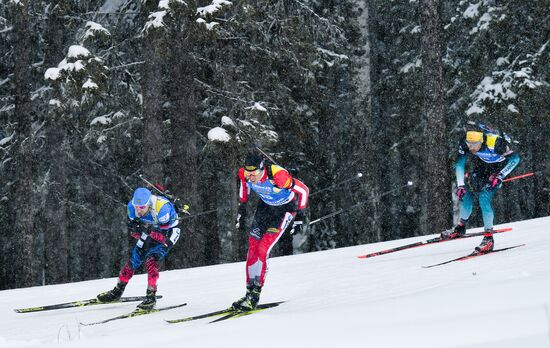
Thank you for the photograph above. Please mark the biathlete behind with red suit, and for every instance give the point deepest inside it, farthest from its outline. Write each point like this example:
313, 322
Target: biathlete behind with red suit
282, 201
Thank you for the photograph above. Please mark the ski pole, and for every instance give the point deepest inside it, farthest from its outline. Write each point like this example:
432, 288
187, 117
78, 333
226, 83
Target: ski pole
174, 199
355, 177
327, 216
519, 176
409, 183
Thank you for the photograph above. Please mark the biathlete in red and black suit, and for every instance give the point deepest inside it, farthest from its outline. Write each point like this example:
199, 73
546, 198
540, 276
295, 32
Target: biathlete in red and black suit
282, 197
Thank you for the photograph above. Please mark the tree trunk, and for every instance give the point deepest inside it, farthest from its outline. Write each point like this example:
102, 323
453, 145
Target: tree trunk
25, 273
55, 208
151, 85
183, 163
541, 158
436, 210
368, 216
152, 113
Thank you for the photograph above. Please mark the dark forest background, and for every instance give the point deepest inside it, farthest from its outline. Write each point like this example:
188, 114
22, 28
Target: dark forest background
94, 93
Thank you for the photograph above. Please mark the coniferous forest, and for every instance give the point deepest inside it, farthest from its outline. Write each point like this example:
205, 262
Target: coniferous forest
355, 98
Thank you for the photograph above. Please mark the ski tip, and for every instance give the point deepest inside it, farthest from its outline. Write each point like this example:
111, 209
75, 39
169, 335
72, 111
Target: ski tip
91, 324
516, 246
368, 255
28, 310
271, 304
177, 306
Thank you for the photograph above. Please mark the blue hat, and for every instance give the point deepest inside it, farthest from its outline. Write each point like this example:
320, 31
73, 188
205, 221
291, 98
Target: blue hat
142, 196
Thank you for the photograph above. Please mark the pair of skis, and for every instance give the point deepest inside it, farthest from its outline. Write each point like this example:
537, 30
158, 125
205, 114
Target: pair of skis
75, 304
440, 240
224, 314
426, 242
94, 302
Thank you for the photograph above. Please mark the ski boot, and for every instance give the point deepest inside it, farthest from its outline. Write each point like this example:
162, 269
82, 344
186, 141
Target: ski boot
250, 300
456, 232
150, 300
112, 295
487, 245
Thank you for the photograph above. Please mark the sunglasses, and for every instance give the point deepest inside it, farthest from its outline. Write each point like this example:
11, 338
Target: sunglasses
251, 168
473, 143
249, 173
140, 207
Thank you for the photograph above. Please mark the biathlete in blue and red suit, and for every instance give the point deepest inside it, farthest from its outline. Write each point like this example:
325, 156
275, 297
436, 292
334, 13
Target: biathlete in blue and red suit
281, 199
152, 222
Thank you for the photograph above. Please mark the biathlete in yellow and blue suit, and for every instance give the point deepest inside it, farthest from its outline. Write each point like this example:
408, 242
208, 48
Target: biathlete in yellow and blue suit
152, 222
491, 159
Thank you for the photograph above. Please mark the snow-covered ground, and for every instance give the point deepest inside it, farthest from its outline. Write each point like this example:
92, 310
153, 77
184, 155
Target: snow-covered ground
333, 299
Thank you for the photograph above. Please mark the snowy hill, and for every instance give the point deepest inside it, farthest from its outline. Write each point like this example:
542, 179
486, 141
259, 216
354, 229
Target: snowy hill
333, 299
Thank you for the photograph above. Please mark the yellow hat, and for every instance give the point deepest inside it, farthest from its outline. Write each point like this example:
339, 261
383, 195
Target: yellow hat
474, 137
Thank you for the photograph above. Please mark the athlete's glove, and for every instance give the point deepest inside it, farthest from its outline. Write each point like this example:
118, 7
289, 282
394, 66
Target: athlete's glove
297, 226
158, 237
132, 224
241, 216
495, 180
172, 237
460, 192
298, 223
135, 228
